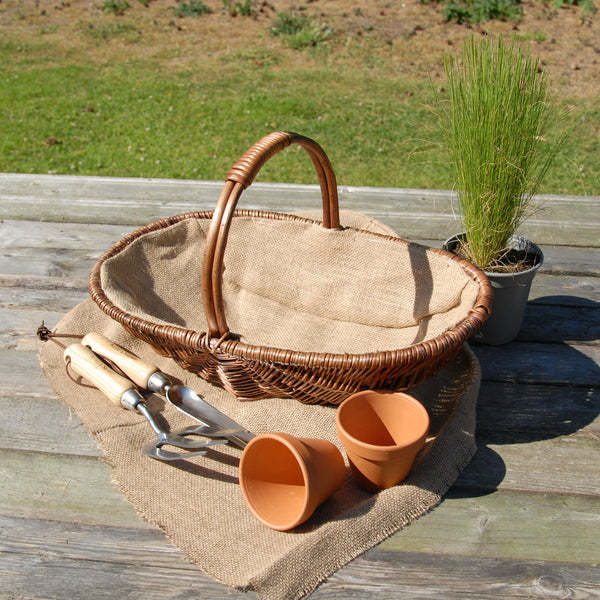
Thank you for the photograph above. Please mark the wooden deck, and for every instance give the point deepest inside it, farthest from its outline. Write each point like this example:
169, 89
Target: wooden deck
522, 521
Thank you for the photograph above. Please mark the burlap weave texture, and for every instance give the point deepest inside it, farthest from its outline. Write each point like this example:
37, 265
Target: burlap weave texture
198, 503
296, 286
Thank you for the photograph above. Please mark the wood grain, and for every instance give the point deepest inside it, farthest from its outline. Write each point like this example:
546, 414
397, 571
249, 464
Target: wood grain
412, 213
134, 562
522, 521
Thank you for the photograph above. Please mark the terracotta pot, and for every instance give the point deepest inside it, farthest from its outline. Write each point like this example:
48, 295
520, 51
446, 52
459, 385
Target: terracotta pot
511, 292
382, 433
284, 478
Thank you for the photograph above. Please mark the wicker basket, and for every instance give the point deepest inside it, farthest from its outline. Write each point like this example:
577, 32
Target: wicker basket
344, 326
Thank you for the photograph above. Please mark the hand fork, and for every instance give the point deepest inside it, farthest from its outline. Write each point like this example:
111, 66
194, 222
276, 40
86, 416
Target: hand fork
122, 392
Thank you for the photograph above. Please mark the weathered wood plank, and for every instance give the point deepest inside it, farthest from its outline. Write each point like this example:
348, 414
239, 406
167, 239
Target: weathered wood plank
531, 362
565, 290
554, 323
549, 450
519, 363
563, 465
505, 460
383, 575
43, 424
61, 487
60, 294
543, 322
61, 236
521, 413
130, 201
76, 540
50, 560
20, 373
57, 264
507, 424
54, 560
505, 524
43, 294
413, 213
574, 261
506, 414
538, 415
18, 327
55, 249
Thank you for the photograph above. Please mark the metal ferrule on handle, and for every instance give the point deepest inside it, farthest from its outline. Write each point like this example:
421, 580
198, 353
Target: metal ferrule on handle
148, 376
158, 383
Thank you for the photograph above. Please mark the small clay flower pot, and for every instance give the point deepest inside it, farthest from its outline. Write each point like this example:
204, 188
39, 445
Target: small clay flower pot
382, 433
284, 478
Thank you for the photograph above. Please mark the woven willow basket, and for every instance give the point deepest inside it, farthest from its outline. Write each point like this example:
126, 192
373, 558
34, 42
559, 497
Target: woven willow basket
276, 305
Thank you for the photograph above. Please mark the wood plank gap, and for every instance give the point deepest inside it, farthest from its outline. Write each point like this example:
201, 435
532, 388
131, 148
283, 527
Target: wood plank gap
549, 384
57, 454
483, 490
40, 282
468, 490
387, 574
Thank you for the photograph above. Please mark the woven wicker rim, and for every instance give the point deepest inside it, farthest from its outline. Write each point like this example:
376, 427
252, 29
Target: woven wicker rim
194, 339
240, 177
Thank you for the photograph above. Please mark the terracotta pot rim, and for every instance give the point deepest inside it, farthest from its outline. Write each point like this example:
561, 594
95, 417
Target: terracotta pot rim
374, 448
285, 440
288, 441
313, 491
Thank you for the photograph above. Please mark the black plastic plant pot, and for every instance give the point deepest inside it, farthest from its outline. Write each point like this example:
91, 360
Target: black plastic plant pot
511, 290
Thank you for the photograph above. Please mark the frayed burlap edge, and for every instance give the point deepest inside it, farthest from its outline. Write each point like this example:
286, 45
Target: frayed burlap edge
344, 527
339, 531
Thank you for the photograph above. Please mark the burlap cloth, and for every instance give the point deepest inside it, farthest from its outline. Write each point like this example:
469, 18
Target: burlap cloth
295, 285
198, 502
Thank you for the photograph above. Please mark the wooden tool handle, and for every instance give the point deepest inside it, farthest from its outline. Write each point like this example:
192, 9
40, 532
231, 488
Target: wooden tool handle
84, 362
135, 368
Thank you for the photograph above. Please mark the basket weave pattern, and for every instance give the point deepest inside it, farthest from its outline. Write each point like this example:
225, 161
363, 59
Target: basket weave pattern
248, 360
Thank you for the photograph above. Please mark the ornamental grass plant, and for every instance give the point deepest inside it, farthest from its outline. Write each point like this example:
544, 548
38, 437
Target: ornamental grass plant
503, 128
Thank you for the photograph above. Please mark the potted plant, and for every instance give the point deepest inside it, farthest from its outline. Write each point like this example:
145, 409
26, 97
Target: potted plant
502, 128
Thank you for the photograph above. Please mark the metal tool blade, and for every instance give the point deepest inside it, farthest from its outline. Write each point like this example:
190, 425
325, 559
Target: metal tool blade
210, 431
187, 401
148, 376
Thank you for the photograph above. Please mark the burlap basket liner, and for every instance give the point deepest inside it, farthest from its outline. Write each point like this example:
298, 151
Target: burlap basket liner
198, 502
312, 312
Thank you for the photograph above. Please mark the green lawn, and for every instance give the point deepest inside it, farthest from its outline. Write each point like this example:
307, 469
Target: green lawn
64, 113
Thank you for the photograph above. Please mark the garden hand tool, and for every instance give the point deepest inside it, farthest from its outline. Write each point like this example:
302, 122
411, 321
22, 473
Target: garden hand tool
122, 392
148, 376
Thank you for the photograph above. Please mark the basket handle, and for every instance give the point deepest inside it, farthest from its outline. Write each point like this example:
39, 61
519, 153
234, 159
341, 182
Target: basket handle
241, 175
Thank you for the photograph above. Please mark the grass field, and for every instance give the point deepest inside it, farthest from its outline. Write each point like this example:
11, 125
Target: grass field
148, 95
